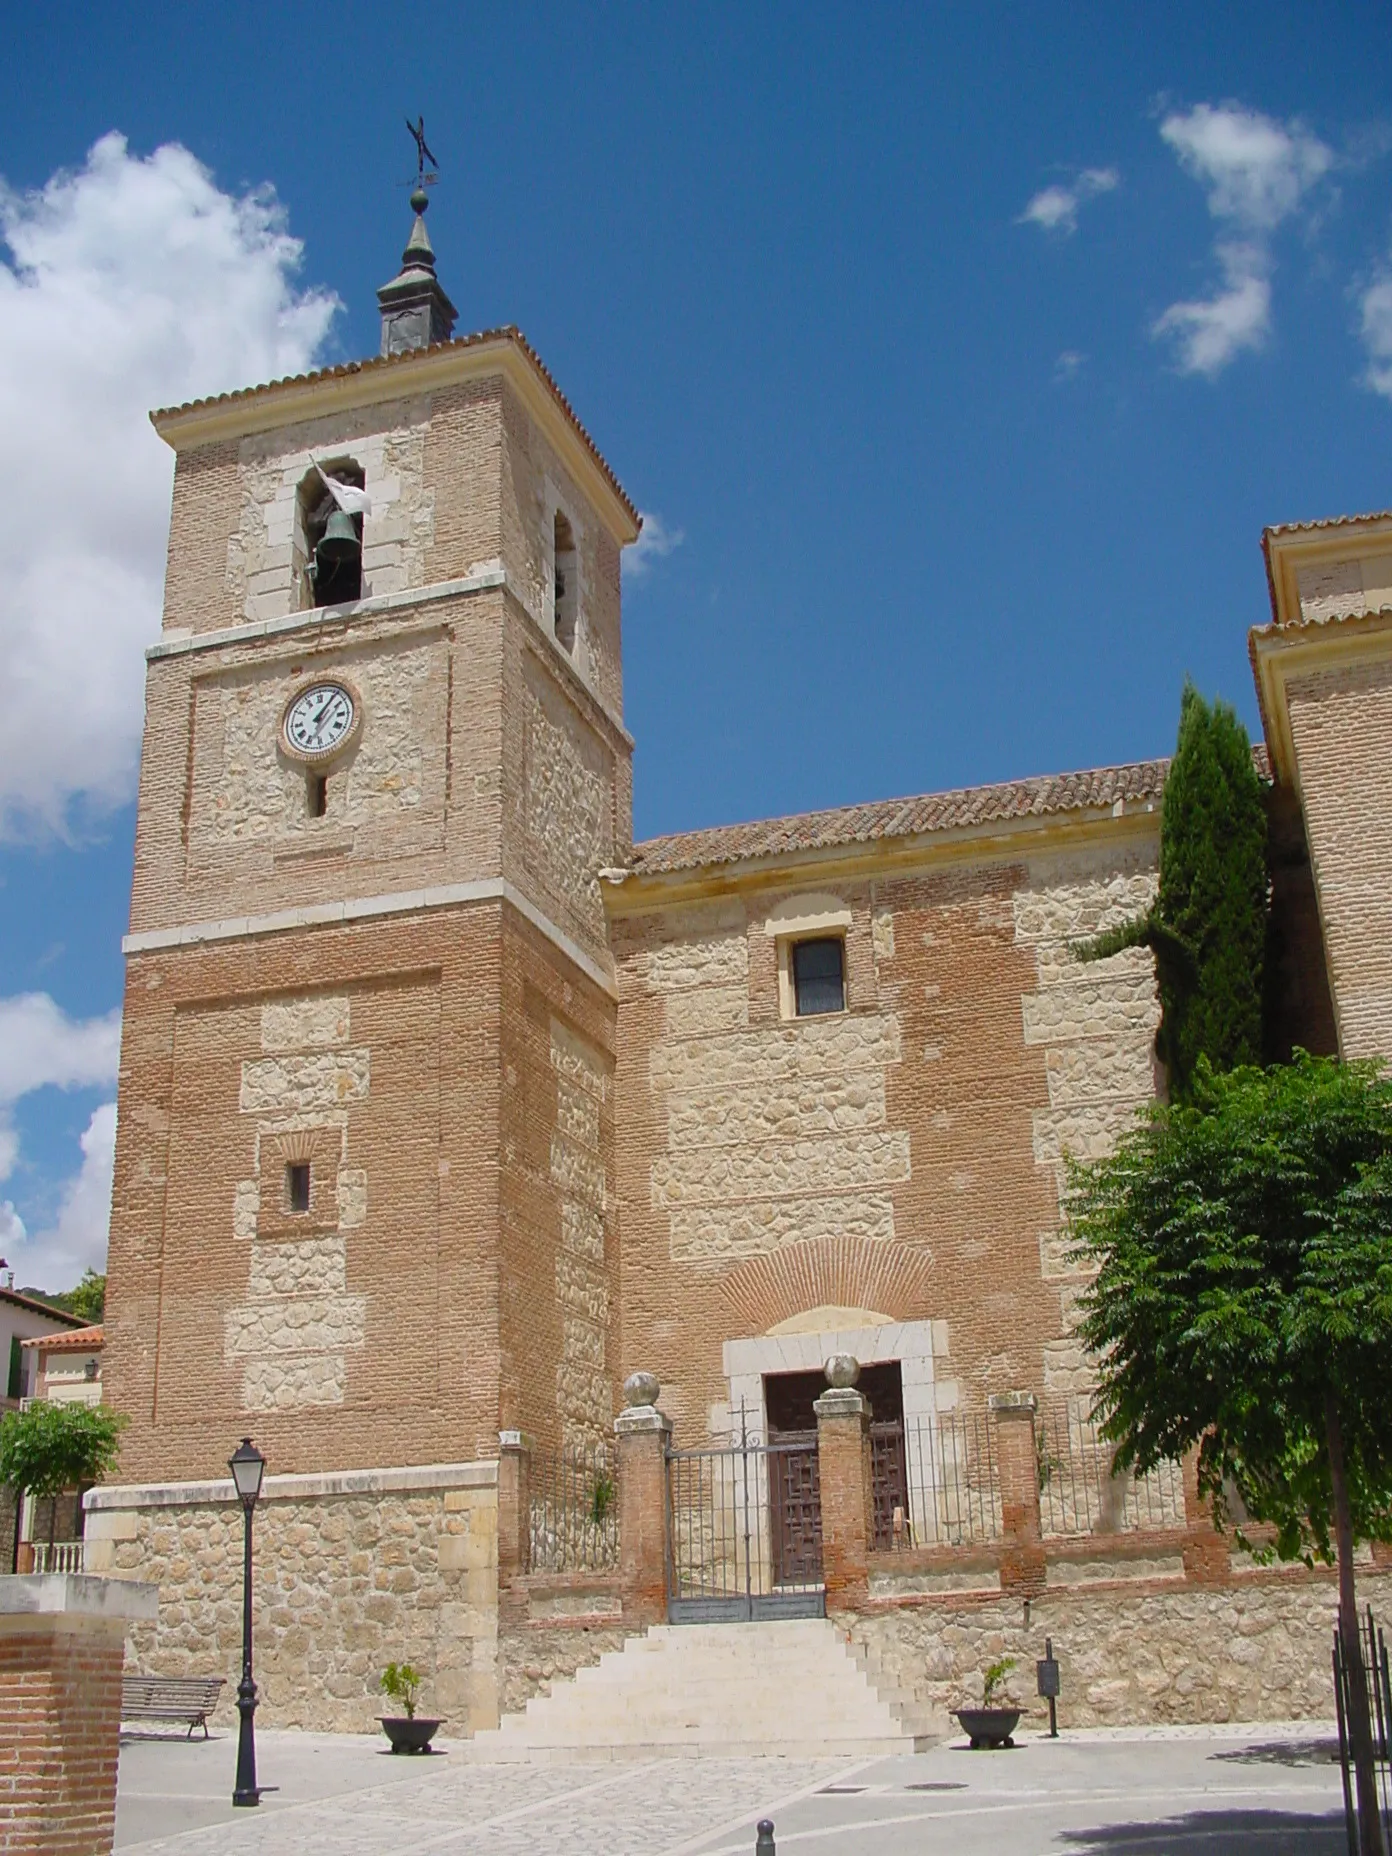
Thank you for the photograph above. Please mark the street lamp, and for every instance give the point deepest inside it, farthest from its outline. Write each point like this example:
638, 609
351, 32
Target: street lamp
248, 1466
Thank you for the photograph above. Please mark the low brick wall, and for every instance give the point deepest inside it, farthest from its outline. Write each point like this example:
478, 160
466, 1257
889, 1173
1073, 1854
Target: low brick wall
1130, 1654
351, 1572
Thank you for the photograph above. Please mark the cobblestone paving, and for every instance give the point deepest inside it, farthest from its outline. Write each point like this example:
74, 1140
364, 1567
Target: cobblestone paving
653, 1808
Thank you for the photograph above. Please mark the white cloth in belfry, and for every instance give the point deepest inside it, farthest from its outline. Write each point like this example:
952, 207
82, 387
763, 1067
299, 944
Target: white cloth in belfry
350, 499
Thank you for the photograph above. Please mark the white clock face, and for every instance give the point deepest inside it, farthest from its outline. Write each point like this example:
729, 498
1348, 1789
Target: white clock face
319, 720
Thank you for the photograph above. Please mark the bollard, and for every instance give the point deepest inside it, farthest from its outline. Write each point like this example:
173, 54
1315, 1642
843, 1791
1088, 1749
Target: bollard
764, 1845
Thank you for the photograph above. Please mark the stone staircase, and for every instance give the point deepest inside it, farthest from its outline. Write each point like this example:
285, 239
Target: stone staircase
790, 1687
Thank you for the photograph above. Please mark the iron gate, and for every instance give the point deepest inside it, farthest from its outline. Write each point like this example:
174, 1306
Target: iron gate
744, 1530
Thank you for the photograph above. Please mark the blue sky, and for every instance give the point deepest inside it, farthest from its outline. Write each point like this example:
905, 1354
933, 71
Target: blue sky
961, 355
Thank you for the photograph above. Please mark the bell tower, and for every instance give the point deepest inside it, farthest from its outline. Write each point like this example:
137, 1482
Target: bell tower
362, 1183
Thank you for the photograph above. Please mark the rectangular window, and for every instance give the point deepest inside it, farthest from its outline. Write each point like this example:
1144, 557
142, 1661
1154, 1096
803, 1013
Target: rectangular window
297, 1186
16, 1379
819, 976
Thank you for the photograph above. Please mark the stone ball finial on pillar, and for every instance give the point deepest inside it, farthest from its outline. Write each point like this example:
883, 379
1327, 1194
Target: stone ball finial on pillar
640, 1389
842, 1371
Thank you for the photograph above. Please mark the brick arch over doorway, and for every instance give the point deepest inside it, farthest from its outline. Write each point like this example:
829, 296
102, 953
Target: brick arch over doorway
829, 1272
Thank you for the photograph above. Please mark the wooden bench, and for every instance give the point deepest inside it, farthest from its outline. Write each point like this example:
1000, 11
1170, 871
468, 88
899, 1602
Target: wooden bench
170, 1698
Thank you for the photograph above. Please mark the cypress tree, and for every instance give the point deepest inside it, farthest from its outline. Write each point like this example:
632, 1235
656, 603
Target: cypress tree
1207, 926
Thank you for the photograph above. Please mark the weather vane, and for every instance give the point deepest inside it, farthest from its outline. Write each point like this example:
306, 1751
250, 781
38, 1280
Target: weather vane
424, 177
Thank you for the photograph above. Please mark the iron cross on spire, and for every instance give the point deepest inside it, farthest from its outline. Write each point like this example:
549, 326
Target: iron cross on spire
423, 152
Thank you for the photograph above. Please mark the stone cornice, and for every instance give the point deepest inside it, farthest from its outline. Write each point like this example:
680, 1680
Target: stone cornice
481, 1475
364, 908
301, 627
1281, 654
636, 894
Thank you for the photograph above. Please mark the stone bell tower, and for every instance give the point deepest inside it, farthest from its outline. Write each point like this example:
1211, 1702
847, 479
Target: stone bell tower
365, 1108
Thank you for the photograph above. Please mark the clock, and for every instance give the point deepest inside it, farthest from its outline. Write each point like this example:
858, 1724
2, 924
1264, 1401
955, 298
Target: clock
320, 721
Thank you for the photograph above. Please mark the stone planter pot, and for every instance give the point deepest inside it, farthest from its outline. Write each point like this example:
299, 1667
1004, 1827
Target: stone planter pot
413, 1736
989, 1727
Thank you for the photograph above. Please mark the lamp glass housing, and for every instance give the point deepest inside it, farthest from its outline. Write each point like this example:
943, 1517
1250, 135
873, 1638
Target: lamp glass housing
248, 1466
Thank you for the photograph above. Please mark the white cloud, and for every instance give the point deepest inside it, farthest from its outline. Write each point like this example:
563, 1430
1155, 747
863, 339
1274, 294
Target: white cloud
134, 282
1069, 364
655, 541
1211, 330
11, 1230
1257, 173
1055, 209
76, 1240
41, 1047
1376, 330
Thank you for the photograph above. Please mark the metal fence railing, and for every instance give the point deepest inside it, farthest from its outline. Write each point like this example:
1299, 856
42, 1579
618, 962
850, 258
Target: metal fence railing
1079, 1493
1370, 1674
574, 1511
949, 1477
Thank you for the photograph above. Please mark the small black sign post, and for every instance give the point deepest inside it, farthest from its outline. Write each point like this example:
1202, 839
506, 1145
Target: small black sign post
1047, 1675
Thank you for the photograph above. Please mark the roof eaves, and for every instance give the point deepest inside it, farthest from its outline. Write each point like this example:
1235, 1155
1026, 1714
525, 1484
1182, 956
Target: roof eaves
37, 1307
375, 363
887, 820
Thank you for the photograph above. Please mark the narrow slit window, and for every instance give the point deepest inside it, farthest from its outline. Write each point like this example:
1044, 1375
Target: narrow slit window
318, 795
819, 976
297, 1186
567, 589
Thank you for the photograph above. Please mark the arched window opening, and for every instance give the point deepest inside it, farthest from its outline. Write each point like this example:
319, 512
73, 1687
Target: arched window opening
567, 588
332, 538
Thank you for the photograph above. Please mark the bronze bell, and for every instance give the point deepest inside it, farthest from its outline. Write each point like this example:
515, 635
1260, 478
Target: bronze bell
340, 541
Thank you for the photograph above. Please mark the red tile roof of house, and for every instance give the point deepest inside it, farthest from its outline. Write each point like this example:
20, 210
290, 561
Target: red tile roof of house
77, 1340
1092, 790
36, 1307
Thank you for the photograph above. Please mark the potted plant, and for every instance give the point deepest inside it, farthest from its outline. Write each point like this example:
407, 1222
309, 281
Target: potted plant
993, 1723
407, 1735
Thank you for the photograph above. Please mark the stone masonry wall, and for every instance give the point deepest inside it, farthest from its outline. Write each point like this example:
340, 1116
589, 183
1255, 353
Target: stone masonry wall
1257, 1650
344, 1584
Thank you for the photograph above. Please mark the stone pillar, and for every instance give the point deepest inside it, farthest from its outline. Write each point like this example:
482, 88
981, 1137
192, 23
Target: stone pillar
843, 1460
1207, 1553
514, 1506
1022, 1567
62, 1644
641, 1432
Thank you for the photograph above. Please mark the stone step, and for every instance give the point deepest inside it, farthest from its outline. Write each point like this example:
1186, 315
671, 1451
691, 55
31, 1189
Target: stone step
789, 1686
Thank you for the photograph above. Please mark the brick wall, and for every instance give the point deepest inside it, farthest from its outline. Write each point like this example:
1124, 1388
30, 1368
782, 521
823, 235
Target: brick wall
1341, 724
60, 1702
903, 1158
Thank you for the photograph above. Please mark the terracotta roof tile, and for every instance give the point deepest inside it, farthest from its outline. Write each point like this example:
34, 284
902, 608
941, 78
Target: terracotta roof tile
507, 332
75, 1340
1302, 528
1092, 790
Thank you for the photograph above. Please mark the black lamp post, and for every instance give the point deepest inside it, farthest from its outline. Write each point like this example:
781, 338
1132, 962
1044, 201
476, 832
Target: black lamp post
248, 1466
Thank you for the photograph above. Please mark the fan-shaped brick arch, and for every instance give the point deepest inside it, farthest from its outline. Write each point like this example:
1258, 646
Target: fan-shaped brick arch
840, 1272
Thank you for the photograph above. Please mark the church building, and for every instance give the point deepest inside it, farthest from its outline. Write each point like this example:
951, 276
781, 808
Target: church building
445, 1106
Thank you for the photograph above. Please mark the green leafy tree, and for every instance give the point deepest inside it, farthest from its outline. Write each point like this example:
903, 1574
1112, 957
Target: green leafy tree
58, 1445
1242, 1306
1207, 926
88, 1299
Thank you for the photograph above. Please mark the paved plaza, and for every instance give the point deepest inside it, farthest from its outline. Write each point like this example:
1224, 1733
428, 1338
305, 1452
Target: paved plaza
1219, 1791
